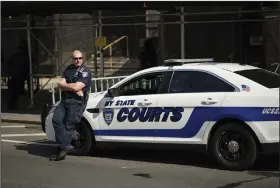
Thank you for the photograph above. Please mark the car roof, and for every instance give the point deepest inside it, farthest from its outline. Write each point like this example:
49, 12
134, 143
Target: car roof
208, 62
232, 67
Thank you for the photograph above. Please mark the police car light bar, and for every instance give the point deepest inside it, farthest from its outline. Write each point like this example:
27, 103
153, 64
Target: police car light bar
174, 62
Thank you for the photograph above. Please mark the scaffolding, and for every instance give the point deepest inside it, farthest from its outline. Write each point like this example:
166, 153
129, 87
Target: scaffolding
99, 23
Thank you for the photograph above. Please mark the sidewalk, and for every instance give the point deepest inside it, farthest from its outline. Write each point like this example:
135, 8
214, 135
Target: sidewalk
21, 118
23, 113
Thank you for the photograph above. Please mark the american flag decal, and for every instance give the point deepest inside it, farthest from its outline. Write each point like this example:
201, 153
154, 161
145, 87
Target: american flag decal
245, 88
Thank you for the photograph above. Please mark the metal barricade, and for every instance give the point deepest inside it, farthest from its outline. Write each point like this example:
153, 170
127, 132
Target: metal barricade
98, 85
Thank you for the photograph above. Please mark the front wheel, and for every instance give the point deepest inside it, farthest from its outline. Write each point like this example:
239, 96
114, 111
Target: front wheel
234, 147
83, 140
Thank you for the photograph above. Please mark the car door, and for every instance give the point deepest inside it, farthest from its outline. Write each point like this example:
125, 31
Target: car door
191, 103
129, 116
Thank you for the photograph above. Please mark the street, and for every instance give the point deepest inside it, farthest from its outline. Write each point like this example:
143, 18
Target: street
25, 164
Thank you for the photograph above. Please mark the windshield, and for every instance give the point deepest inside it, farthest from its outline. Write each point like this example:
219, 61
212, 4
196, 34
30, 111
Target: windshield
263, 77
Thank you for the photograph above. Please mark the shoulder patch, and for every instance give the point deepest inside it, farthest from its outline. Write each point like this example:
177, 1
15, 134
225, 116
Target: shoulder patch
81, 69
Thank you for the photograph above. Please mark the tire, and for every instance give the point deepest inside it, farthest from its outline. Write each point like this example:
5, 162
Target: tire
223, 153
85, 140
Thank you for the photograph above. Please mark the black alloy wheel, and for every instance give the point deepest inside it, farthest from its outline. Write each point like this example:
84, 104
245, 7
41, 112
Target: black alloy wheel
234, 146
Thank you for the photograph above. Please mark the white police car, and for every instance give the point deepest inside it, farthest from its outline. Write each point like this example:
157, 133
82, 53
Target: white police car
231, 110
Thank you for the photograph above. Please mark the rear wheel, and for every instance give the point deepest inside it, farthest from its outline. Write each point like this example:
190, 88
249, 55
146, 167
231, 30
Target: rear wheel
83, 140
234, 147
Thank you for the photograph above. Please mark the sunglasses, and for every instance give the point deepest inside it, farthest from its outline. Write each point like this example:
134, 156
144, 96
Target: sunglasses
78, 58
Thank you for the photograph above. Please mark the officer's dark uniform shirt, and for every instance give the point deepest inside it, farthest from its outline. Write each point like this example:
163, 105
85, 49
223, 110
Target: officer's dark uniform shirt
73, 74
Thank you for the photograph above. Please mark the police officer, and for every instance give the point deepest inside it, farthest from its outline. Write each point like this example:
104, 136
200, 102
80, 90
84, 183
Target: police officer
74, 84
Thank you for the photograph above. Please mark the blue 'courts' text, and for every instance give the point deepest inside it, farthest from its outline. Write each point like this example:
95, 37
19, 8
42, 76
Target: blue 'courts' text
152, 114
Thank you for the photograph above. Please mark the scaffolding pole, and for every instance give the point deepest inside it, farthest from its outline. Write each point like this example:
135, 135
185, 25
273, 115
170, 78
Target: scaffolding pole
165, 14
147, 25
127, 48
162, 41
94, 46
30, 59
182, 33
279, 40
138, 24
101, 60
279, 36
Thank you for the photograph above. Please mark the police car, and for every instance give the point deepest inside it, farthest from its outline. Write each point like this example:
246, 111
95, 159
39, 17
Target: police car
232, 110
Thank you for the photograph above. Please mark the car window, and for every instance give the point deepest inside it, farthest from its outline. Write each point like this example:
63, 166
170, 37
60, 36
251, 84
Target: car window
263, 77
143, 85
196, 82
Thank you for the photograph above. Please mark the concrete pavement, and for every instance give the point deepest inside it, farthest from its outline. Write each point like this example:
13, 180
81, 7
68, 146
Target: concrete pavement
25, 164
23, 118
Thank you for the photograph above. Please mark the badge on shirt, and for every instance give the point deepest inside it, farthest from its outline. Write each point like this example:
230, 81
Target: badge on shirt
84, 74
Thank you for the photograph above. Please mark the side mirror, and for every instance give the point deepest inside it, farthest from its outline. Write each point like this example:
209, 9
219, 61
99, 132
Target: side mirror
112, 92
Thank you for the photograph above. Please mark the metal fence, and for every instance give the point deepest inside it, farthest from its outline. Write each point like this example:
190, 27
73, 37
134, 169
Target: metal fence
98, 85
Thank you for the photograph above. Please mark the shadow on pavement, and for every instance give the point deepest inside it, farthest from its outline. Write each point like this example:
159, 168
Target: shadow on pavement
264, 167
189, 158
237, 184
38, 150
263, 174
159, 156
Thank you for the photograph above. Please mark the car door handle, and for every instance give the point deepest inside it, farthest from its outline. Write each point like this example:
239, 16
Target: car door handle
208, 101
145, 102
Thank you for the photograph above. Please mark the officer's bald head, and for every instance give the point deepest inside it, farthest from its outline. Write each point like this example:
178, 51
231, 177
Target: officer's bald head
77, 57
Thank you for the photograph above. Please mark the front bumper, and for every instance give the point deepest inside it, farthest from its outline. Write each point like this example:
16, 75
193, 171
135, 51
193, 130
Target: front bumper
45, 110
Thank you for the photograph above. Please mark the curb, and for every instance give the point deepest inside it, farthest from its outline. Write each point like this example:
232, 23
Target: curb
20, 121
21, 118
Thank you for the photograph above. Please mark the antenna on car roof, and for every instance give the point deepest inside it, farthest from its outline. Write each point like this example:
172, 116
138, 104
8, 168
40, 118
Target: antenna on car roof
176, 62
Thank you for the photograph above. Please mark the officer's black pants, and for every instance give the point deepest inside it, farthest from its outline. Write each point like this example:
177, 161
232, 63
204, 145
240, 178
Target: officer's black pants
67, 114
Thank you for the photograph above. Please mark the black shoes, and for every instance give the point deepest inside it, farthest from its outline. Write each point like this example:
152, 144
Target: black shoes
61, 154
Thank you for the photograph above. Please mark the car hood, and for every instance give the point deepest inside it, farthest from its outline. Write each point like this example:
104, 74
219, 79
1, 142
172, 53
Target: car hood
95, 98
93, 95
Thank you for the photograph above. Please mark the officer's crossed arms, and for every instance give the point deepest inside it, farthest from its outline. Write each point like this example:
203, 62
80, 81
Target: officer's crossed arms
75, 87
